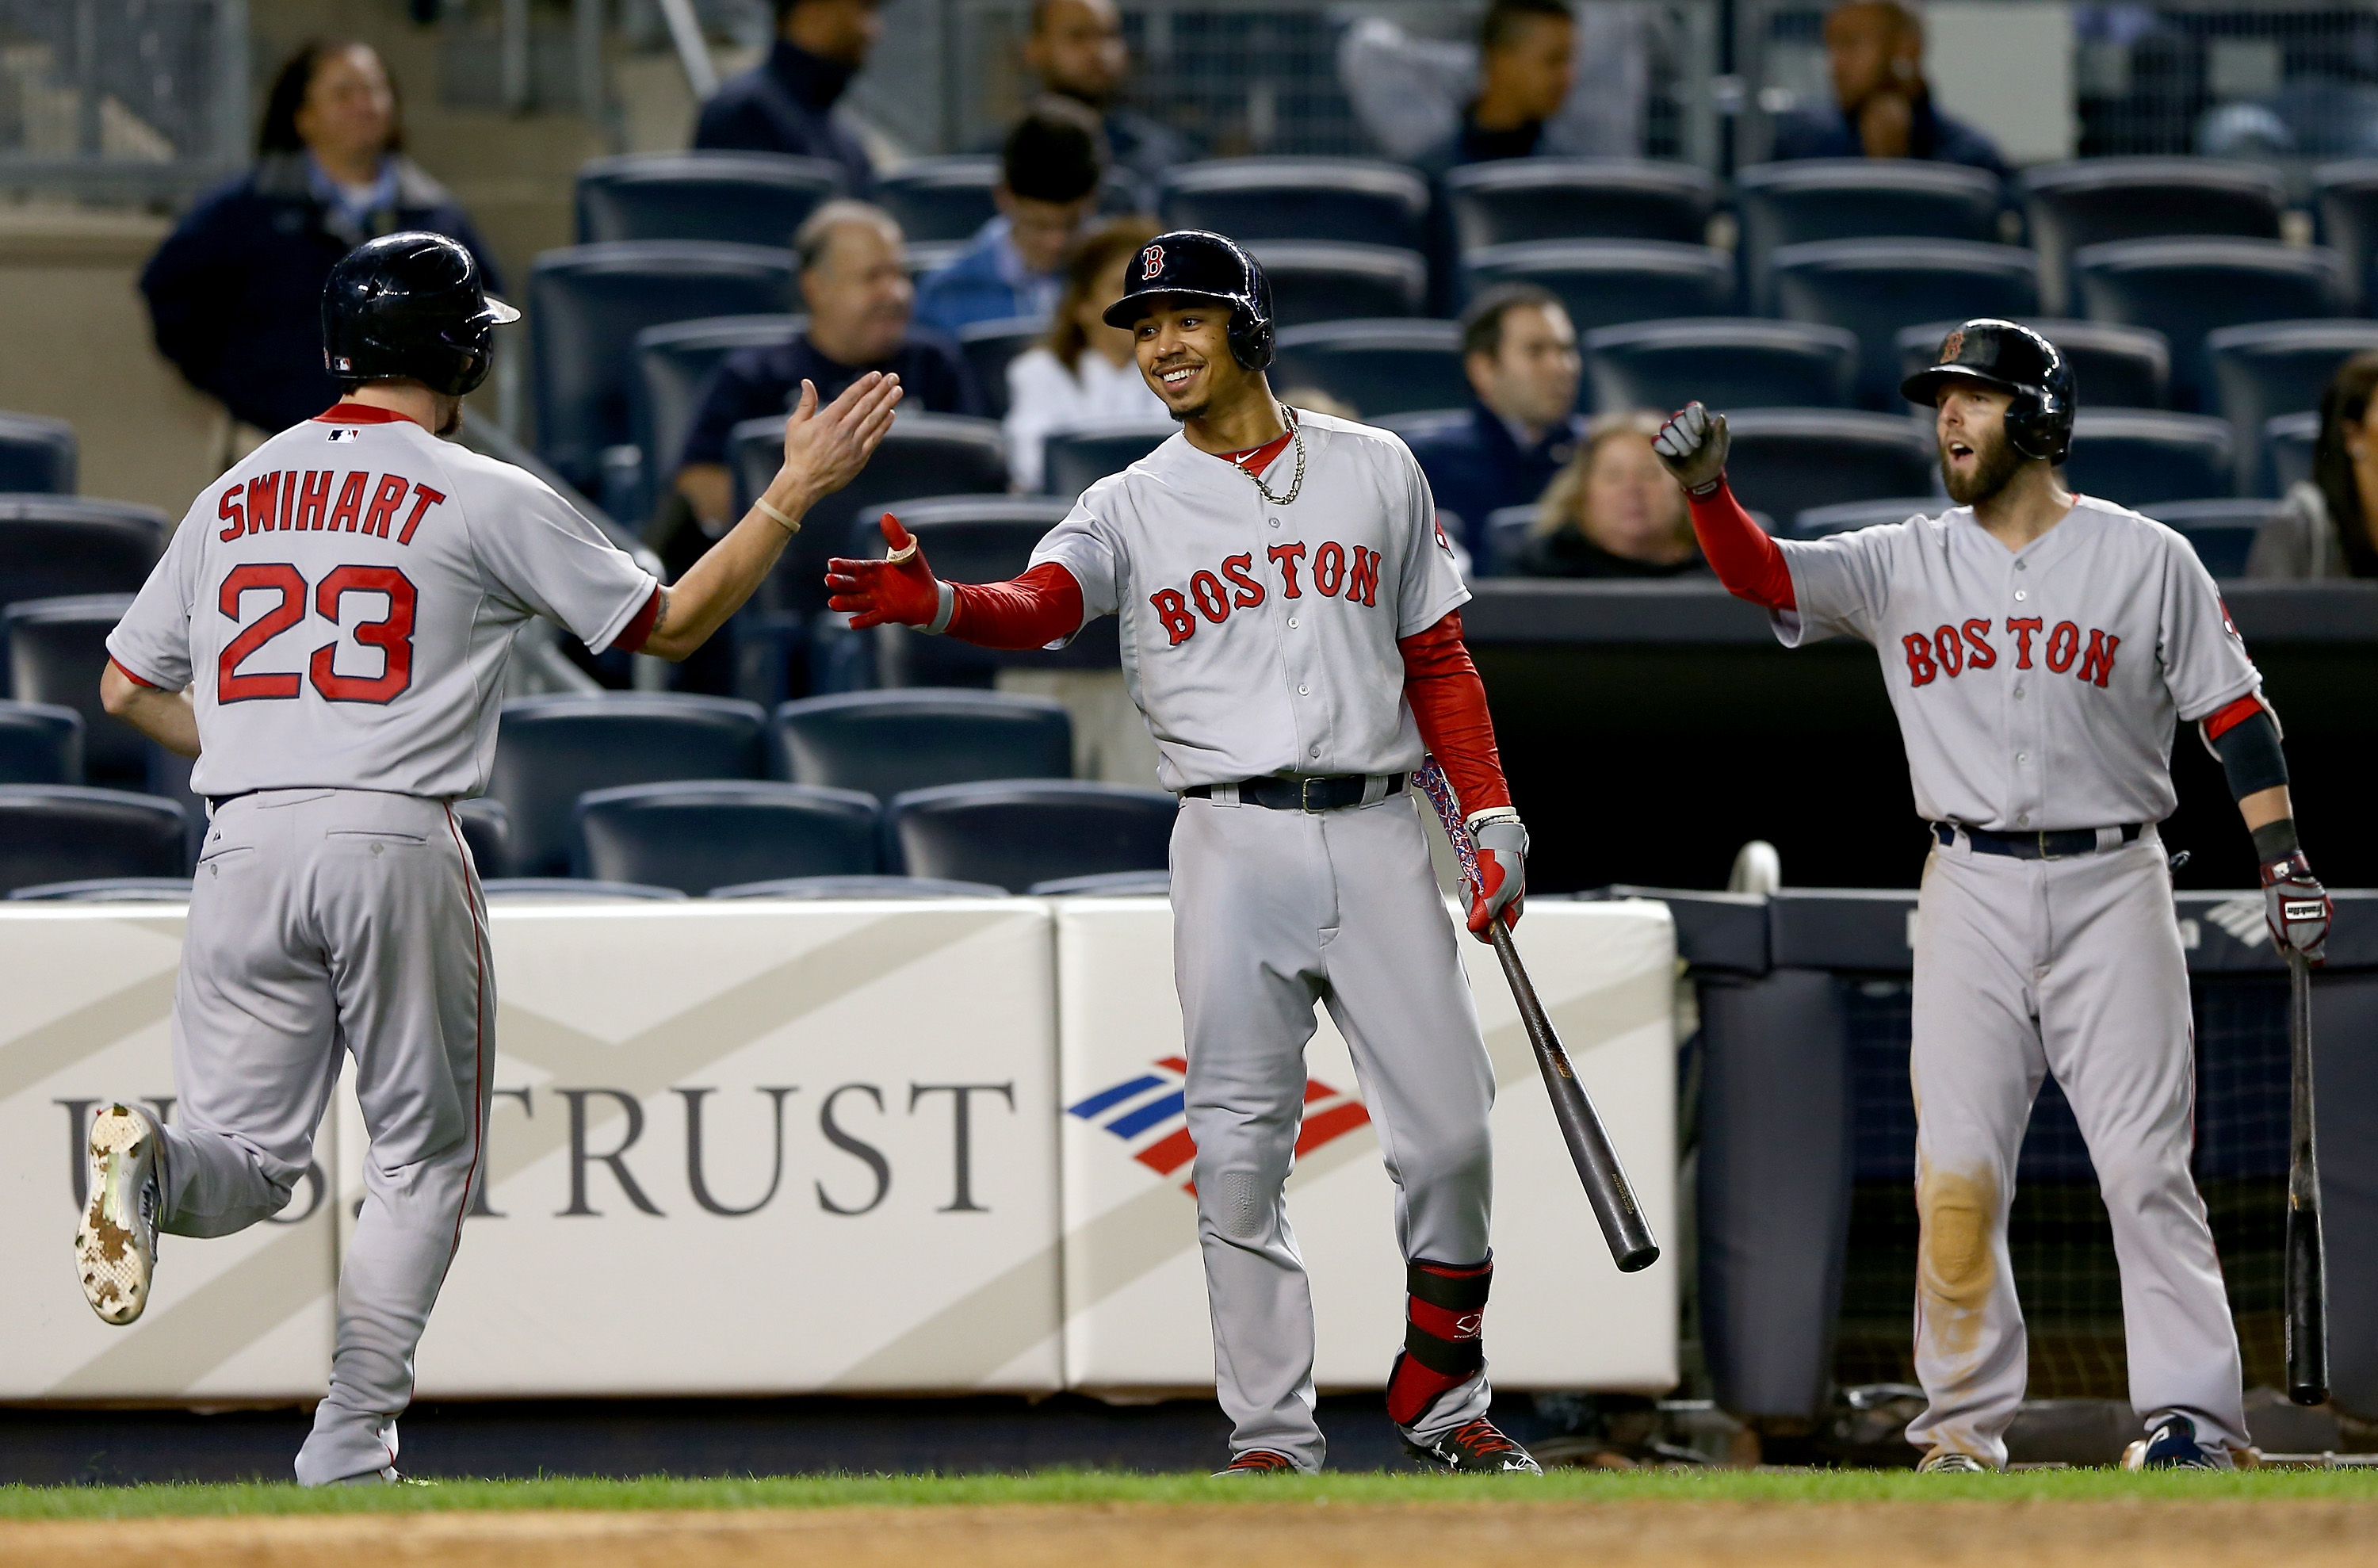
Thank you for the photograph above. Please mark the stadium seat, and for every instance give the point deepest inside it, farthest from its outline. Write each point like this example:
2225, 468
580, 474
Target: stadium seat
859, 888
2222, 530
573, 891
2187, 288
550, 750
1355, 200
941, 202
488, 830
1724, 361
2115, 367
1607, 282
2097, 201
65, 833
1375, 368
1510, 201
1874, 287
1105, 885
674, 364
1073, 459
2345, 197
585, 307
2137, 456
1326, 281
109, 890
39, 743
989, 345
1818, 522
886, 743
1504, 535
2287, 451
703, 835
57, 649
1424, 423
2273, 367
1810, 199
1017, 835
1788, 460
52, 547
37, 456
741, 198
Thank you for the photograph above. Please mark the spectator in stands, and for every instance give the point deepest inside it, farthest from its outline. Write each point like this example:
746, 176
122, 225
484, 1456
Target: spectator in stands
1885, 109
1527, 62
786, 104
235, 293
1075, 49
1049, 172
1520, 355
1615, 511
1085, 372
858, 298
2328, 527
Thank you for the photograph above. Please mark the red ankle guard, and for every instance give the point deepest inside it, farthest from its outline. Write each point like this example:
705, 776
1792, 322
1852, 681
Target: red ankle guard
1442, 1349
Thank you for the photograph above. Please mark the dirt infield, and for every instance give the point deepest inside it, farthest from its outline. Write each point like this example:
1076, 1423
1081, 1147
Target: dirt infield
1318, 1533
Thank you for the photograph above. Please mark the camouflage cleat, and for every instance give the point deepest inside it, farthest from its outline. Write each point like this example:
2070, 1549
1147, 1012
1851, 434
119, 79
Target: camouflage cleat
115, 1242
1949, 1462
1476, 1448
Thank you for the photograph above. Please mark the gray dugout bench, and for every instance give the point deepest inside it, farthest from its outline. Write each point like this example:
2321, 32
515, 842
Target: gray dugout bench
1804, 1200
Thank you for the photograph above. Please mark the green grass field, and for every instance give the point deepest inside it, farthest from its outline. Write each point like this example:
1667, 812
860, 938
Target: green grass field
1079, 1487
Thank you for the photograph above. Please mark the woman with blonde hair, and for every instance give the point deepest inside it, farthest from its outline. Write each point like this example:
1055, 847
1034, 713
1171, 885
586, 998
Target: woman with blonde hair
1614, 511
1085, 372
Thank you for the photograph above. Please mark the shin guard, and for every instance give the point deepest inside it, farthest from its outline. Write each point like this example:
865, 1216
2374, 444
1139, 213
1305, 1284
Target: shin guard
1442, 1316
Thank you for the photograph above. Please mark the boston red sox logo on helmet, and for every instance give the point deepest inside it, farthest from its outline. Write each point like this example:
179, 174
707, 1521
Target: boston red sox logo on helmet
1950, 345
1151, 261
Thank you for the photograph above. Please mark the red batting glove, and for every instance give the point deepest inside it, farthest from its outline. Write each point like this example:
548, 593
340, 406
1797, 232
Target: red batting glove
900, 589
1502, 848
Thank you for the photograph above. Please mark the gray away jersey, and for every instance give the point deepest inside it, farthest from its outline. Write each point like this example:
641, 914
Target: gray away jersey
2036, 689
1259, 638
342, 605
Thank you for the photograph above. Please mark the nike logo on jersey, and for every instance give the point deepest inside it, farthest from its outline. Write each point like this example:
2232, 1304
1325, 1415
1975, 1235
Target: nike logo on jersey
1953, 651
302, 501
1335, 570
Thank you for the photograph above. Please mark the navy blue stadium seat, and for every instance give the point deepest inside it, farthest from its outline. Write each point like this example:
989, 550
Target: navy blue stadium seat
1724, 361
1507, 529
550, 750
989, 346
39, 743
487, 831
1605, 283
1356, 201
941, 202
2098, 200
2345, 199
2137, 457
52, 546
1876, 287
1818, 522
2273, 367
1105, 885
109, 890
1375, 368
674, 364
2222, 530
886, 743
1508, 201
1787, 460
1315, 280
37, 456
573, 891
586, 305
65, 833
2287, 451
2115, 367
859, 888
57, 650
2187, 288
1073, 459
742, 197
699, 836
1806, 200
1017, 835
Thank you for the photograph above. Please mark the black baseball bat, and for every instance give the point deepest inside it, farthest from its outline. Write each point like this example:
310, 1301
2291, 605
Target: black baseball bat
2306, 1275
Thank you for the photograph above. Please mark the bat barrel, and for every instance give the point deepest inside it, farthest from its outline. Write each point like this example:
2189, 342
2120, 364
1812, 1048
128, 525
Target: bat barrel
2306, 1268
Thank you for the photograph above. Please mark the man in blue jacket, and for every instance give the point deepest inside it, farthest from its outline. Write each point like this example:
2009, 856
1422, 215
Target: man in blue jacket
1885, 110
786, 104
1050, 169
1520, 352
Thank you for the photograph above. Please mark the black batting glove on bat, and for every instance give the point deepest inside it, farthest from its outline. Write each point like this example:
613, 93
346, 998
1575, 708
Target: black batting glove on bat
1693, 444
1501, 841
2298, 908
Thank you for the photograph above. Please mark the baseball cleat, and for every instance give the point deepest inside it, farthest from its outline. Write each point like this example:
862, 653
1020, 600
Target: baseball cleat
2171, 1444
1258, 1461
1949, 1462
115, 1242
1478, 1447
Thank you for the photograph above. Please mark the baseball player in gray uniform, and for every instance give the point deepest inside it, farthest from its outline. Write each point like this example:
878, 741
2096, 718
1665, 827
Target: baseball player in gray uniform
327, 634
1292, 632
2039, 647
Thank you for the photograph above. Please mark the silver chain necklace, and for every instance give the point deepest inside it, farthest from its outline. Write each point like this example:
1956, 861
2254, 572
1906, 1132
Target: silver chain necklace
1296, 483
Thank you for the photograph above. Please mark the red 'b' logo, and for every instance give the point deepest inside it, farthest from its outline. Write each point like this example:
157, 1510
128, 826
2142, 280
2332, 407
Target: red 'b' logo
1151, 261
1951, 345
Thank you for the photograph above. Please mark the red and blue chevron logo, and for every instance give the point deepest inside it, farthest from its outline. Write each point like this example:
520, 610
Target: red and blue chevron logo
1149, 1111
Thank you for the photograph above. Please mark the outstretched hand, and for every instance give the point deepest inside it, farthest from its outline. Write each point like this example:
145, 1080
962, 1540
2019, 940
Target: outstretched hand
1693, 443
900, 589
825, 448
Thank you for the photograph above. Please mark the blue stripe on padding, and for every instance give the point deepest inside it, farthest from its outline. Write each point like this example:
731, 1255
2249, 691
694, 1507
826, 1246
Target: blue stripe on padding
1133, 1123
1110, 1098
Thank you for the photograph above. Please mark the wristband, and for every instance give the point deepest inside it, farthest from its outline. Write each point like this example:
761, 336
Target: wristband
789, 524
2274, 841
1492, 814
949, 607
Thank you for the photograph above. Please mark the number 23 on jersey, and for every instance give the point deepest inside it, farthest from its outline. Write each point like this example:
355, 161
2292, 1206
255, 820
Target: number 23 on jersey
287, 595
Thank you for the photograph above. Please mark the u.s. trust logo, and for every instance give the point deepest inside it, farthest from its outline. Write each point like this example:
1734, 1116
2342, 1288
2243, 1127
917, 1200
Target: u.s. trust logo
1149, 1112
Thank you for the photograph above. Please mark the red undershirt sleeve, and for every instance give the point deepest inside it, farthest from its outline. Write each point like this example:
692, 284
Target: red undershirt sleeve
2228, 719
1746, 560
1043, 606
134, 678
639, 630
1450, 702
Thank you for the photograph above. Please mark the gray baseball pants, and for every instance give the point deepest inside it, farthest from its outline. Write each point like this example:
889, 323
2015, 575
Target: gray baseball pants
2069, 966
1274, 910
323, 924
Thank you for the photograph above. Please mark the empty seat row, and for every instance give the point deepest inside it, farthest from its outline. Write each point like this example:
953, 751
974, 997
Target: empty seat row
37, 456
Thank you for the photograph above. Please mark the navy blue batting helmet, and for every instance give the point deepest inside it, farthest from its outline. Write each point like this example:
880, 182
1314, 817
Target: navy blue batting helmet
409, 307
2010, 358
1193, 264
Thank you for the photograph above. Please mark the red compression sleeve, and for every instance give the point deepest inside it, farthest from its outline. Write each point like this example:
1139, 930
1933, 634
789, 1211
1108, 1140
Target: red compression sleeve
1031, 611
1450, 702
2229, 718
1746, 560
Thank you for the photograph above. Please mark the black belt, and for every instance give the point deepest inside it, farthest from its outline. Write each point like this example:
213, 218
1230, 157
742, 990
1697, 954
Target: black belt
2031, 845
1332, 791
